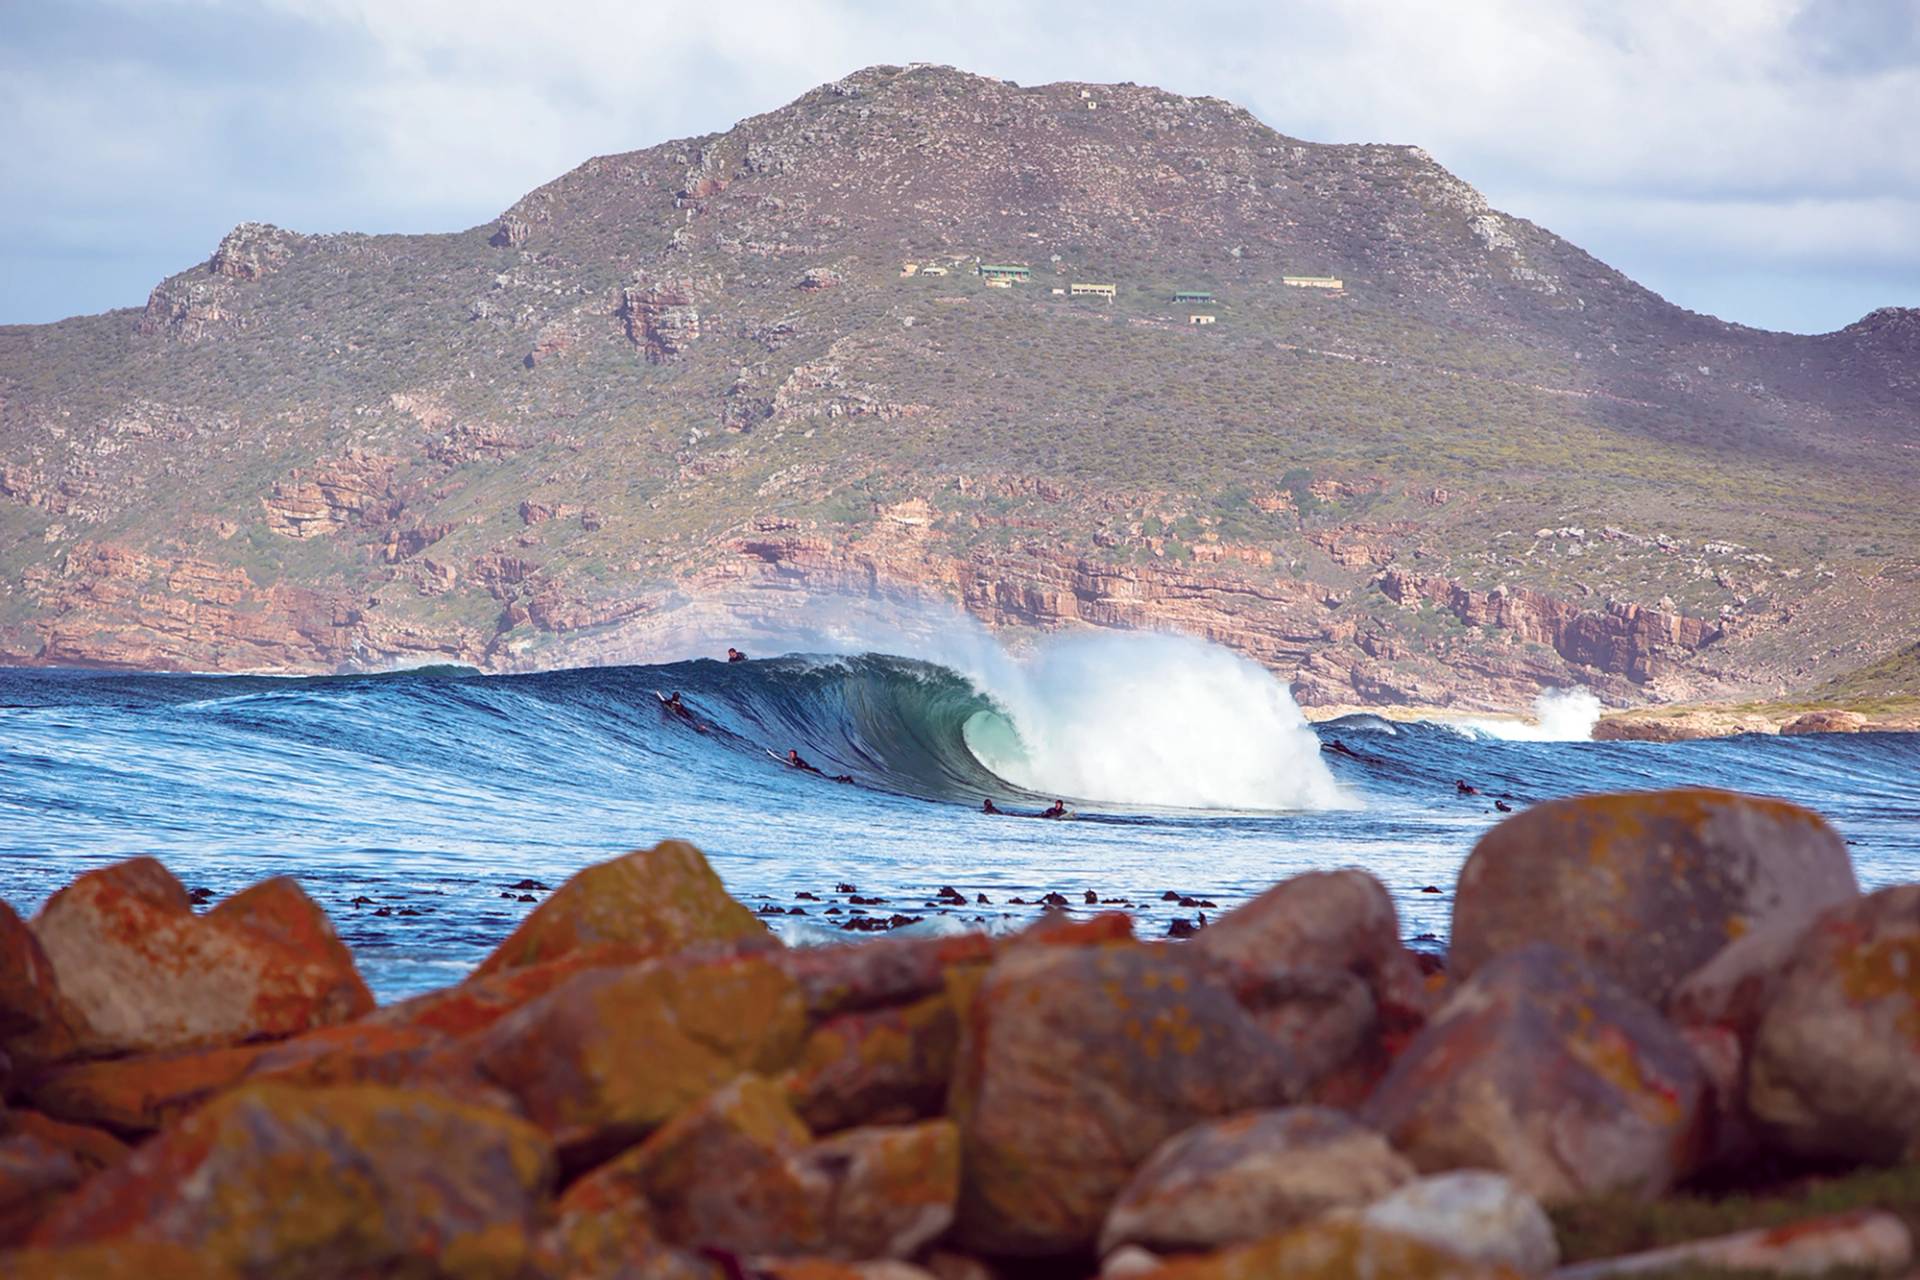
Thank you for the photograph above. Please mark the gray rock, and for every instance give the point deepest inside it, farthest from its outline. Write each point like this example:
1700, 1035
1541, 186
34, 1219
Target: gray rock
1479, 1215
1545, 1069
1836, 1061
1248, 1176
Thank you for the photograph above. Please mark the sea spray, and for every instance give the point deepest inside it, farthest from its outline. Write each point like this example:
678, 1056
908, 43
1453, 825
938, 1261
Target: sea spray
1146, 719
1559, 715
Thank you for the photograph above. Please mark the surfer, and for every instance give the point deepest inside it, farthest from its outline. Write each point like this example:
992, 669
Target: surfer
1466, 788
675, 707
1058, 809
987, 806
734, 655
795, 762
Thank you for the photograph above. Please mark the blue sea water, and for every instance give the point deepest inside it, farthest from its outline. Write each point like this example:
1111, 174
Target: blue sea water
1188, 771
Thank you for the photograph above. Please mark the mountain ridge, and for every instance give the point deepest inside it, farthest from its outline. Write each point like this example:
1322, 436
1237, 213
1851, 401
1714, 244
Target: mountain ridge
678, 392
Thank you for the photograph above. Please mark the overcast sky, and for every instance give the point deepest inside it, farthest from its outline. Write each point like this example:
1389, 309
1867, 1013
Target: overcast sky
1756, 159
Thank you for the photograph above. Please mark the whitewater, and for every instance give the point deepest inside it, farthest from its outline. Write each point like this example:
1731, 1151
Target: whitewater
412, 805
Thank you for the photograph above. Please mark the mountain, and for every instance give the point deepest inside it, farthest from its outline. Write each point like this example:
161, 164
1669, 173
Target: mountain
731, 386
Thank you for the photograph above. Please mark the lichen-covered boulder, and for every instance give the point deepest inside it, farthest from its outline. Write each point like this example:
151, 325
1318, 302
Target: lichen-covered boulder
881, 973
610, 1054
882, 1066
34, 1020
1330, 920
1737, 983
143, 1093
604, 1230
1836, 1061
320, 1183
1547, 1070
740, 1171
1329, 1251
142, 972
1075, 1063
354, 1053
476, 1004
1247, 1176
1474, 1213
651, 902
1648, 886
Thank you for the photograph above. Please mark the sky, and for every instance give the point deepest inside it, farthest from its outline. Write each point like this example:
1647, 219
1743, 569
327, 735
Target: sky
1758, 160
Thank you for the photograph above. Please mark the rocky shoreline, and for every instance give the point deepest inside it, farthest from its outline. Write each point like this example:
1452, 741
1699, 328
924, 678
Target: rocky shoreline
1685, 723
1647, 996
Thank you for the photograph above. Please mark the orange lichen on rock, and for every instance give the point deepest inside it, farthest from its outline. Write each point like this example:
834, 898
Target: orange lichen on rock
1648, 886
610, 1054
140, 1094
34, 1019
877, 1067
1057, 1103
143, 972
386, 1182
650, 902
1836, 1059
740, 1171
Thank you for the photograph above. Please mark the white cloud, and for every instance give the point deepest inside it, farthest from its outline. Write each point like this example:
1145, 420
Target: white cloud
1766, 132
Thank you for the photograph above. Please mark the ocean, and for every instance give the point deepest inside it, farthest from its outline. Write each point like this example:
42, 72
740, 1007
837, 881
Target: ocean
427, 795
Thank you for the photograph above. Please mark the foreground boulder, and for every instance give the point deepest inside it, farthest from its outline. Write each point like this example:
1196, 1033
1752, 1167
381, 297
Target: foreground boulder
138, 1095
885, 971
740, 1171
1075, 1063
651, 902
1245, 1177
142, 972
1330, 920
1836, 1060
883, 1066
1476, 1214
1648, 886
1329, 1250
1545, 1069
34, 1022
610, 1054
385, 1183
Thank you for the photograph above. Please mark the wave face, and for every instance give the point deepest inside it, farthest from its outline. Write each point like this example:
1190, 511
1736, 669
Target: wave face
1190, 771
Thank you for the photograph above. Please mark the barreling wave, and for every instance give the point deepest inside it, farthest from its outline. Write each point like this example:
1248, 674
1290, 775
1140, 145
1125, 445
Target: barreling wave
1118, 722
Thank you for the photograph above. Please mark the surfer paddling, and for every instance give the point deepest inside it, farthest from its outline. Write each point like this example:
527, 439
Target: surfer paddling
793, 760
734, 655
1058, 809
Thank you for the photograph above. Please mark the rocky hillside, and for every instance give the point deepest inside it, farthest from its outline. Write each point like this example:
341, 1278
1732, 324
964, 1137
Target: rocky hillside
710, 390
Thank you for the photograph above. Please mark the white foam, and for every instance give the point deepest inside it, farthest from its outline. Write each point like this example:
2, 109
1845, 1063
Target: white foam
1146, 719
1559, 715
1119, 717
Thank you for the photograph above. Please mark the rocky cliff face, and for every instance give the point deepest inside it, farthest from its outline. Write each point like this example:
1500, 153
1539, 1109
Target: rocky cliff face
709, 389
